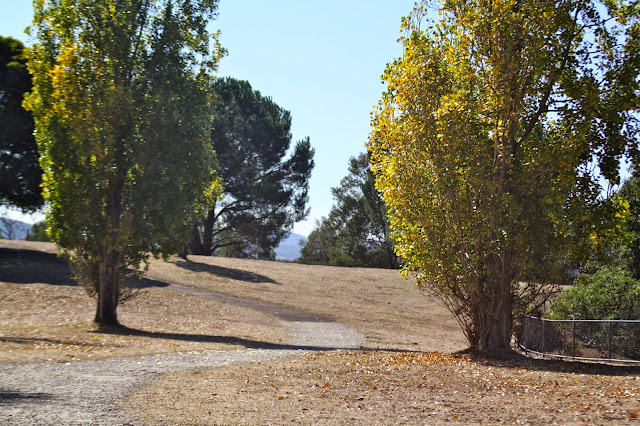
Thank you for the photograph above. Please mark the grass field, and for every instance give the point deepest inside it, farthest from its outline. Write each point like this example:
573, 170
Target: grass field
406, 372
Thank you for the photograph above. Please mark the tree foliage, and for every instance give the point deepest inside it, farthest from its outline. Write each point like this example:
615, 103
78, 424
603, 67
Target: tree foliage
611, 293
20, 173
265, 190
356, 231
488, 142
38, 232
630, 191
120, 101
609, 287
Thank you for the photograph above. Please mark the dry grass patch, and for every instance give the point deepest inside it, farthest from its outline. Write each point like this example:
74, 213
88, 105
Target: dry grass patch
40, 322
387, 309
393, 388
44, 315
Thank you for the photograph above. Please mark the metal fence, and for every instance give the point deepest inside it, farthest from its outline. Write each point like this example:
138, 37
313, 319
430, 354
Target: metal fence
596, 340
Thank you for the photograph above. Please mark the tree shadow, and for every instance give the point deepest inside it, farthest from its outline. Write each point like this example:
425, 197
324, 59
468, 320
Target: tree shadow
8, 397
24, 266
144, 282
221, 271
36, 340
122, 330
281, 312
513, 359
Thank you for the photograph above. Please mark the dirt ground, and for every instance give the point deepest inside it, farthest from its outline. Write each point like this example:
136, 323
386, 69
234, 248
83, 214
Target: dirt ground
406, 372
394, 388
45, 316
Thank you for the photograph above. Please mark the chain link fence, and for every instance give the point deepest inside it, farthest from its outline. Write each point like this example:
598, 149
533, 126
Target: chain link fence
595, 340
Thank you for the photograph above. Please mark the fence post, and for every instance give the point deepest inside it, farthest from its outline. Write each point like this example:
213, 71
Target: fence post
574, 339
610, 337
524, 336
542, 319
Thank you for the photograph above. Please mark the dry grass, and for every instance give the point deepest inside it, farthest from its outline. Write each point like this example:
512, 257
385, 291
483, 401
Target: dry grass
406, 380
45, 316
388, 309
393, 388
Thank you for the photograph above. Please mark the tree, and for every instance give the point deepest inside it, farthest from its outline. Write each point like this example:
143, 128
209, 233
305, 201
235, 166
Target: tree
19, 168
38, 232
264, 192
120, 102
630, 191
356, 231
487, 145
609, 293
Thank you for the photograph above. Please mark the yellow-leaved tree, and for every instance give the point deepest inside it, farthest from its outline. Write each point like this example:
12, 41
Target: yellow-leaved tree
122, 114
489, 142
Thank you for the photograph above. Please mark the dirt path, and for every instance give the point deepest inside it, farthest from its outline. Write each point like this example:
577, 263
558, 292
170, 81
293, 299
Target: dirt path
89, 392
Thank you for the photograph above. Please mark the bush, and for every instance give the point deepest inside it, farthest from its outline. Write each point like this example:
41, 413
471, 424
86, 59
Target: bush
38, 232
611, 293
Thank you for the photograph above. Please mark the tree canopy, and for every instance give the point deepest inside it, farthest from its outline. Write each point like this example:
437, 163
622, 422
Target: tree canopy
121, 107
356, 231
630, 191
20, 173
489, 142
265, 185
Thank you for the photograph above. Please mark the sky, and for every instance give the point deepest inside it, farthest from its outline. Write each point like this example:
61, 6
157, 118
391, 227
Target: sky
322, 61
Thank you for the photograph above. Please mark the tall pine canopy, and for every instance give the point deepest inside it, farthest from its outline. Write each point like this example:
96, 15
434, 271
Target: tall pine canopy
20, 173
265, 183
121, 106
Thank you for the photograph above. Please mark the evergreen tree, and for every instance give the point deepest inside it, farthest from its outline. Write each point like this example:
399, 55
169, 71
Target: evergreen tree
20, 173
265, 187
356, 231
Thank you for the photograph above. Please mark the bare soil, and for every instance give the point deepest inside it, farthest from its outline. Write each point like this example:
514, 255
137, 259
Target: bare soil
406, 372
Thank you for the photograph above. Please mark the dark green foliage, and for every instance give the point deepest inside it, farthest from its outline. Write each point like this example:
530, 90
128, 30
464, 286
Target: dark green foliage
38, 232
631, 192
610, 293
265, 193
20, 173
356, 232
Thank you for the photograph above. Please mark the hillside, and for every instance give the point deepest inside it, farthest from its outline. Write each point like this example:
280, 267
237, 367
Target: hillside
404, 372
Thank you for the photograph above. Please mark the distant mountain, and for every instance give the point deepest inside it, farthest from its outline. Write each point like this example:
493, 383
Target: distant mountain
289, 248
13, 229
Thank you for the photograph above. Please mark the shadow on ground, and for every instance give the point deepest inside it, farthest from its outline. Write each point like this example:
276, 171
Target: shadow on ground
221, 271
514, 359
121, 330
284, 313
7, 397
22, 266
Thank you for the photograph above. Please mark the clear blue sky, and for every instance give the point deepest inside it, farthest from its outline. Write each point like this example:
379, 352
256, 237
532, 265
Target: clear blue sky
320, 60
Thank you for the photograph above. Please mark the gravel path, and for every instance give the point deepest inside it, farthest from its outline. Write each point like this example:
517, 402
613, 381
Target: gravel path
88, 392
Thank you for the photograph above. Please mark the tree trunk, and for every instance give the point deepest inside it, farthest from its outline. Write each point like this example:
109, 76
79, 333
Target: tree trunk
207, 234
494, 334
108, 288
196, 242
202, 242
493, 316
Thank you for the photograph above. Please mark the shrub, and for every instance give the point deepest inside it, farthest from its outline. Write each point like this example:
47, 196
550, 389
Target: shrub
39, 232
609, 293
